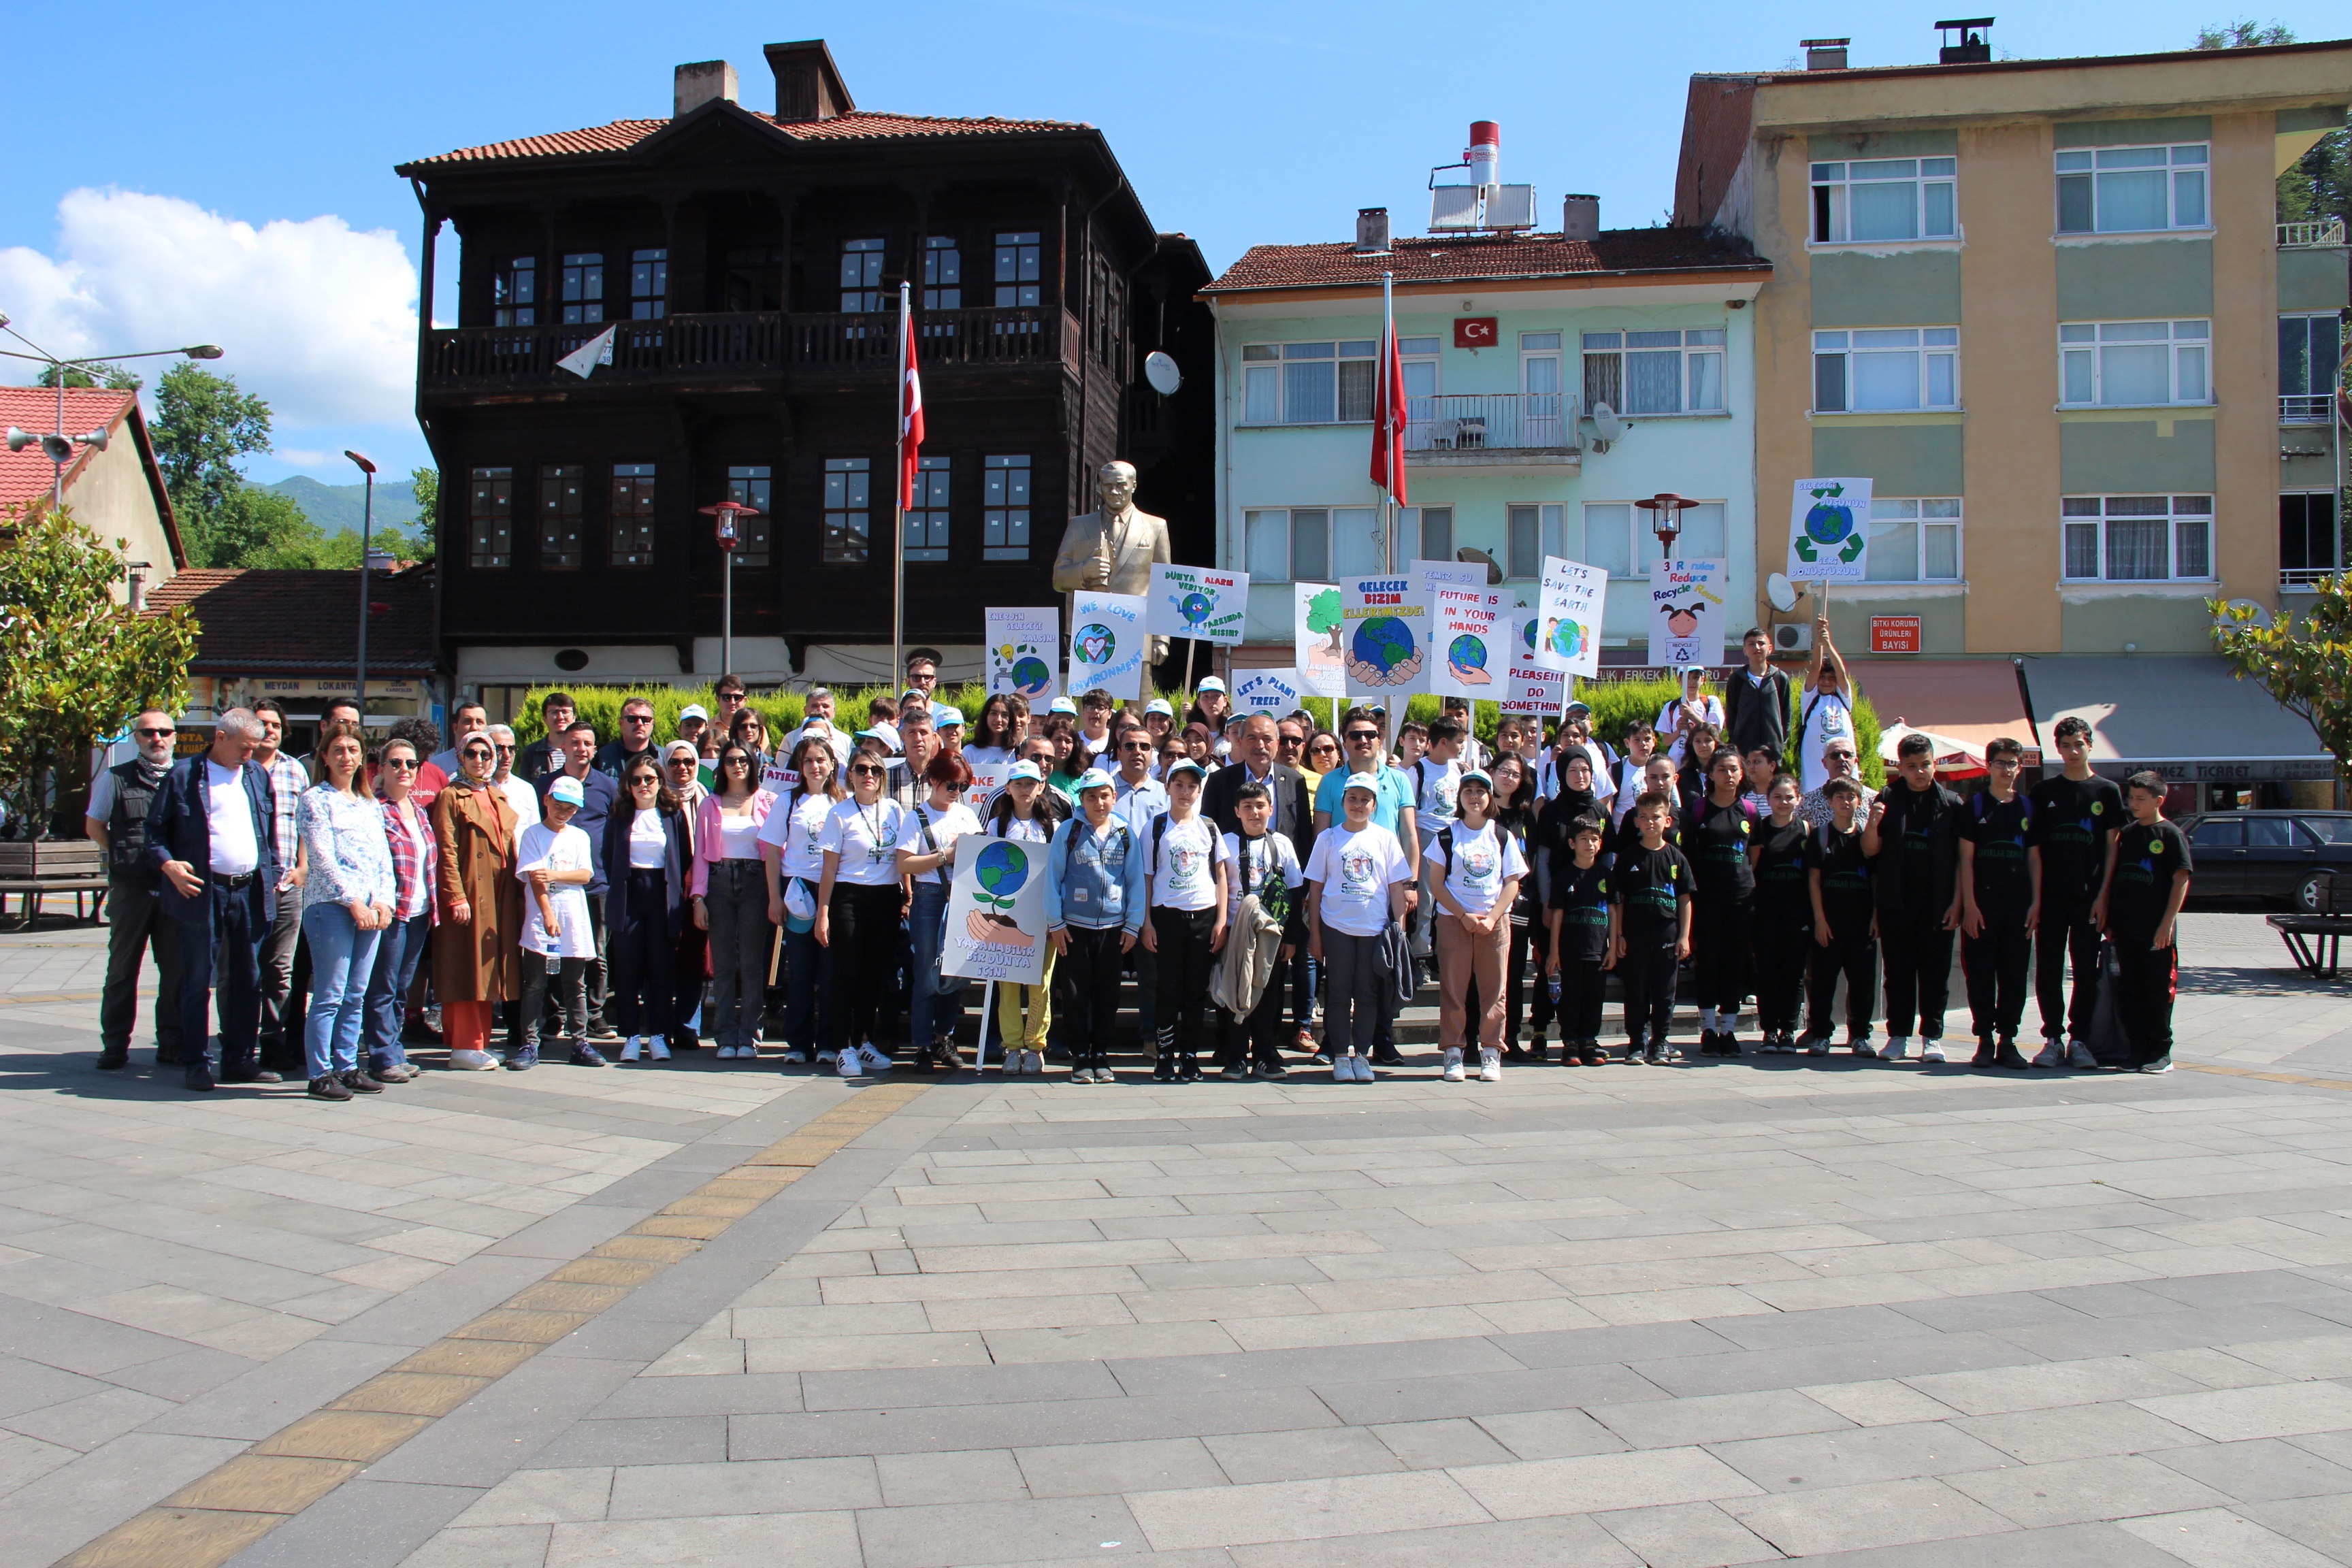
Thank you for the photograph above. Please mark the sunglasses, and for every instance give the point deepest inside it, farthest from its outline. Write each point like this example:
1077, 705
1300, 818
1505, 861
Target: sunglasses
732, 762
867, 769
1367, 736
644, 781
687, 762
505, 751
158, 734
483, 752
405, 764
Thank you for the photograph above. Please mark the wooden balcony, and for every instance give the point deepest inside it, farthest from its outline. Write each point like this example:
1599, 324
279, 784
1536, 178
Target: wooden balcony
718, 350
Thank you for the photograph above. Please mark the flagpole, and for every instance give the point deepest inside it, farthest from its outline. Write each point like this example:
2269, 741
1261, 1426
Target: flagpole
898, 502
1393, 458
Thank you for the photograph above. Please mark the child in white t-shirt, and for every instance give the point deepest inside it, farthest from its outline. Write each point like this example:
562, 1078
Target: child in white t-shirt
1476, 869
1184, 861
555, 863
1357, 879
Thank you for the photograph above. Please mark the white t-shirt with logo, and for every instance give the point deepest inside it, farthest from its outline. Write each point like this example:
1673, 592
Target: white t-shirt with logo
1355, 870
1831, 719
800, 833
542, 848
1255, 865
1436, 785
947, 827
1183, 865
1483, 862
866, 839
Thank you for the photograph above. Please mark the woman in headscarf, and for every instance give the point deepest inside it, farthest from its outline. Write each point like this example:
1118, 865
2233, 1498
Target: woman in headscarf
477, 944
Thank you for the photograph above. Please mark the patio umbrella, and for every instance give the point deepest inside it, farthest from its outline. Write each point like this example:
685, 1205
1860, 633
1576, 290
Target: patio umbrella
1954, 759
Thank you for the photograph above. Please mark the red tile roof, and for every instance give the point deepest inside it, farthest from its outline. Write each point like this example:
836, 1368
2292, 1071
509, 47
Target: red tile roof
1446, 258
255, 620
857, 126
26, 476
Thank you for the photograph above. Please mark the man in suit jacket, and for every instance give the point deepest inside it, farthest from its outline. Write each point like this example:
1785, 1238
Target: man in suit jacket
209, 839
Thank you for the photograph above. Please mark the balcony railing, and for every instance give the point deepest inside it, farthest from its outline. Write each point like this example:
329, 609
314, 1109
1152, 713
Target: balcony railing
2295, 408
2305, 576
1460, 423
752, 343
2311, 236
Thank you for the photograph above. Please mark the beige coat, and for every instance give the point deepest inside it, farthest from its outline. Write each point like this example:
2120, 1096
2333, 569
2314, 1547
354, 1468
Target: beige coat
477, 962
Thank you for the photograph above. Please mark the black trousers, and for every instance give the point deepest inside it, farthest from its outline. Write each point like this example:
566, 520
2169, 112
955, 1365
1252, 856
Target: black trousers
1994, 963
227, 947
1855, 957
641, 952
1258, 1037
1783, 946
2065, 934
1088, 977
564, 993
862, 929
1722, 932
135, 922
1530, 948
1919, 952
1185, 965
1647, 972
1581, 982
2150, 979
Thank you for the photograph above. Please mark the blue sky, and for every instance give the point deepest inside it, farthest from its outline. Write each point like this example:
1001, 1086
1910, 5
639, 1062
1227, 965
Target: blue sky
238, 158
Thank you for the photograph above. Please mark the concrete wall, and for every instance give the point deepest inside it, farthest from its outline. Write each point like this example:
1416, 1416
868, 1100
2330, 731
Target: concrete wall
110, 497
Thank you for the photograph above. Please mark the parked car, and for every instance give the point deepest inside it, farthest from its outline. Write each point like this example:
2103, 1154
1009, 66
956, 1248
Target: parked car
2283, 855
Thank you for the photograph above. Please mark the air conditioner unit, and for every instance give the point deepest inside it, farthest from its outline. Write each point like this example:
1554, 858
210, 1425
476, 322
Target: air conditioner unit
1792, 637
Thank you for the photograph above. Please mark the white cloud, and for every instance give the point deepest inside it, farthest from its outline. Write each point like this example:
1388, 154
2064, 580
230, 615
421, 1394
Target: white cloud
319, 319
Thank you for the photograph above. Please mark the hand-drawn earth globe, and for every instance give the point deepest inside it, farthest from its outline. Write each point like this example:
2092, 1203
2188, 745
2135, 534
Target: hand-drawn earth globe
1528, 634
1567, 638
1002, 869
1196, 608
1466, 652
1095, 642
1383, 642
1829, 524
1030, 675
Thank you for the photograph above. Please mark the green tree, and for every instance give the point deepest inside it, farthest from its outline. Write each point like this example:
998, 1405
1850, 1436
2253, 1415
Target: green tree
2304, 660
2243, 34
112, 376
424, 484
75, 664
253, 527
203, 425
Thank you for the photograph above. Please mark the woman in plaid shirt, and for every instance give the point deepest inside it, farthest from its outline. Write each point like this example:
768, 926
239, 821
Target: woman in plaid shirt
414, 856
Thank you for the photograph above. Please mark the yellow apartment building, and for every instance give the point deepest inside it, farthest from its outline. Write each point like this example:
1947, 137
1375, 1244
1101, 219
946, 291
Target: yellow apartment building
2046, 306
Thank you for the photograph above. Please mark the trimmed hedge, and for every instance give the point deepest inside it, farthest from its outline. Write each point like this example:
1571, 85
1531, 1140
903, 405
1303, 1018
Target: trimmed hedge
1616, 703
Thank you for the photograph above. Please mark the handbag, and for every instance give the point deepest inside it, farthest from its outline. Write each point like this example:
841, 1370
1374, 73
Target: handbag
2110, 1041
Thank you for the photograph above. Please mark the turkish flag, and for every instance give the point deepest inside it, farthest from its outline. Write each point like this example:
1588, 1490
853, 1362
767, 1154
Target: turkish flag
1389, 415
910, 408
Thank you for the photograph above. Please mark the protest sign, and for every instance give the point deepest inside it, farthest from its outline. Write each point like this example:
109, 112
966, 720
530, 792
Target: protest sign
1024, 649
1384, 631
1686, 611
1197, 602
1470, 631
1567, 635
1531, 688
996, 912
1274, 691
1828, 531
1322, 669
1107, 645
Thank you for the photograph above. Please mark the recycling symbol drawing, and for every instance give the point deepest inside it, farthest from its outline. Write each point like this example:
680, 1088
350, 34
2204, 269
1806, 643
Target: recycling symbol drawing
1830, 529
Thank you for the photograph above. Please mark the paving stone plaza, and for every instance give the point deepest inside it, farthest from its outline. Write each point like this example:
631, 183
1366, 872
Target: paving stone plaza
1846, 1312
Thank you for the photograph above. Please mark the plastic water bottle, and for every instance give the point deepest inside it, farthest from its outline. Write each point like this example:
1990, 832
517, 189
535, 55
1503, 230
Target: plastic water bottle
1551, 983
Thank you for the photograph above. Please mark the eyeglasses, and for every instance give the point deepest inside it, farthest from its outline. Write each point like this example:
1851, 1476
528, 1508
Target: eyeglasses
154, 734
505, 751
732, 699
405, 764
867, 769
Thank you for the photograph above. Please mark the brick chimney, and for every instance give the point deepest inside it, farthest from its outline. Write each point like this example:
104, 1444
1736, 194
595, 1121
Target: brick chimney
808, 84
1824, 54
699, 83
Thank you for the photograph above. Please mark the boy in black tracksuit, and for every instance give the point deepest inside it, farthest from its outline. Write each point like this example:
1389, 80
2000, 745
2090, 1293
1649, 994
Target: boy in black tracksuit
1579, 918
1845, 925
2076, 815
2146, 883
1913, 838
1784, 916
2000, 894
1650, 928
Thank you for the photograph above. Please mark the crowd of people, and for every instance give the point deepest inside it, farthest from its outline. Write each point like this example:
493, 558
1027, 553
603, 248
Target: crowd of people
627, 897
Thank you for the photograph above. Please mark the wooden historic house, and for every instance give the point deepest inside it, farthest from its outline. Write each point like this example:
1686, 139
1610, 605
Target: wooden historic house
749, 263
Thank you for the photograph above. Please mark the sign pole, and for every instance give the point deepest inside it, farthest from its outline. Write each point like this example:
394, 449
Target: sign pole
987, 1017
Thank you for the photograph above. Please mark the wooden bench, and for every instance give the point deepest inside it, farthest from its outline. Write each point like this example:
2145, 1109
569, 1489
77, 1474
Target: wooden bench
2316, 939
33, 869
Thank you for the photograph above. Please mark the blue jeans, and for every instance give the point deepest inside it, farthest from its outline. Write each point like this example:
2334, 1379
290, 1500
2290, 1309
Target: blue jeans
396, 957
808, 996
342, 958
934, 1014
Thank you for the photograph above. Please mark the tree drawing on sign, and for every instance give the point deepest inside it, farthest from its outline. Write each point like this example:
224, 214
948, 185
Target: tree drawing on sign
1323, 617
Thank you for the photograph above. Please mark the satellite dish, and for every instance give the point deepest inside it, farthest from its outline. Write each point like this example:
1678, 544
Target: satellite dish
1161, 373
1611, 429
1480, 558
1780, 591
2261, 616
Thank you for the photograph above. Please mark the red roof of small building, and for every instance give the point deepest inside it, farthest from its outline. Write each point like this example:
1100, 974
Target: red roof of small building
27, 477
257, 620
858, 125
1447, 259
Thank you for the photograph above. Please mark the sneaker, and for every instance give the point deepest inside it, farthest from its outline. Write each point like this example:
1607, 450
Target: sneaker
471, 1061
1490, 1065
2007, 1057
796, 1058
656, 1047
1343, 1069
598, 1029
1321, 1060
1897, 1048
1707, 1039
1364, 1066
584, 1054
1034, 1063
2078, 1055
1273, 1070
2052, 1054
2161, 1064
1656, 1055
631, 1049
873, 1060
1235, 1074
360, 1082
1188, 1068
1163, 1068
329, 1088
1985, 1056
1728, 1044
1384, 1056
1305, 1042
1860, 1046
1817, 1046
522, 1059
1454, 1073
1931, 1049
847, 1063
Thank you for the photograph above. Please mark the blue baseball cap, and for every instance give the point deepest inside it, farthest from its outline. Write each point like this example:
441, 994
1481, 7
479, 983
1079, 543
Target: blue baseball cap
943, 716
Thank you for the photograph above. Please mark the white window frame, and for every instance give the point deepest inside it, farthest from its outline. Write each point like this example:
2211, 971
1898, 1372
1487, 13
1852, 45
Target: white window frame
1006, 490
1695, 380
1934, 353
1532, 531
2086, 521
1934, 206
930, 523
2314, 403
1269, 386
1617, 520
2082, 348
2084, 174
1272, 537
1930, 519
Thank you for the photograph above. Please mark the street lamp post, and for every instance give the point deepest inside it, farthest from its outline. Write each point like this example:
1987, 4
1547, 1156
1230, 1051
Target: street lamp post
367, 517
57, 446
1665, 520
728, 513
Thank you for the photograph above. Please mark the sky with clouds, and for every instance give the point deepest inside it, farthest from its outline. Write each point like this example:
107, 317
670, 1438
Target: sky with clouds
228, 177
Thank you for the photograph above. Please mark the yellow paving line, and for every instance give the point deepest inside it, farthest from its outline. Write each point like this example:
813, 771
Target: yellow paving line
2270, 1076
225, 1511
40, 997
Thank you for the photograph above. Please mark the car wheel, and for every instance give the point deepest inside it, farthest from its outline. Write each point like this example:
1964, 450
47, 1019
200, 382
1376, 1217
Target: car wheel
2310, 894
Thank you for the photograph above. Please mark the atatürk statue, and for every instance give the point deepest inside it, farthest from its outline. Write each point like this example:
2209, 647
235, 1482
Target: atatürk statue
1111, 550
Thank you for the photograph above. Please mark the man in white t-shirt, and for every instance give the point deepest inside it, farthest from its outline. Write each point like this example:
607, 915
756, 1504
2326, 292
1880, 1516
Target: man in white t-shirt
1827, 713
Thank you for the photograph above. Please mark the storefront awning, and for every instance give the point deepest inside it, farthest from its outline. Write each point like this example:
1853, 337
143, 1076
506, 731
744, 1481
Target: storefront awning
1973, 700
2186, 717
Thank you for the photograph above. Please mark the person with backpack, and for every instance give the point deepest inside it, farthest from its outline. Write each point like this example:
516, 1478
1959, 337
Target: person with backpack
1756, 700
1184, 861
2001, 899
2140, 905
1828, 716
1475, 870
1436, 777
1912, 839
1784, 916
792, 857
926, 841
1263, 868
859, 900
1692, 706
1094, 909
1719, 827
